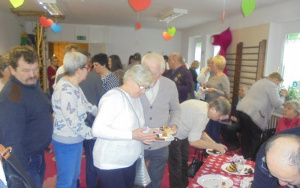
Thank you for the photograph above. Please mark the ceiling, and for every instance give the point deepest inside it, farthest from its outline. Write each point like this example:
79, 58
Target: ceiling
120, 13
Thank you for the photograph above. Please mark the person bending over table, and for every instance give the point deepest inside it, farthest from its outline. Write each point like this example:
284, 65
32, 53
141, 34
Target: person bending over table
278, 161
194, 117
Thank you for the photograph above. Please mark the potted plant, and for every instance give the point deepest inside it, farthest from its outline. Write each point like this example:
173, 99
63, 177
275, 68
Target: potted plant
294, 92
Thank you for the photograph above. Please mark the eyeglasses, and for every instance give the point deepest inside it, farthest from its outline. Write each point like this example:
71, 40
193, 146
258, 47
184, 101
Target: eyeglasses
143, 87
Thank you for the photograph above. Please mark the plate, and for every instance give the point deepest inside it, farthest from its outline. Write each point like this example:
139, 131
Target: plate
214, 181
210, 151
223, 167
169, 138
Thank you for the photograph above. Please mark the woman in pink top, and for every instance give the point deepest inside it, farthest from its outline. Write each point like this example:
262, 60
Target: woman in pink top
290, 117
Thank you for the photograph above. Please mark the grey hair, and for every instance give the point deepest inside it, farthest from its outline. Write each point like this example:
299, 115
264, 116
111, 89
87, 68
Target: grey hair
293, 158
295, 105
141, 74
73, 61
221, 104
155, 58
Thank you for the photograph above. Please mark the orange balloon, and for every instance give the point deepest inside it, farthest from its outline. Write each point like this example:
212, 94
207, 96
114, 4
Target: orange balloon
166, 35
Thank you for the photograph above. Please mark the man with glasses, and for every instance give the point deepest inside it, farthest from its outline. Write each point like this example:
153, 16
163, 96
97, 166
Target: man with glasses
278, 161
161, 107
25, 120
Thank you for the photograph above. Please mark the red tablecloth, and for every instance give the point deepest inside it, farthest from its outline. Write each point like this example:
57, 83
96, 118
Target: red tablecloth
212, 165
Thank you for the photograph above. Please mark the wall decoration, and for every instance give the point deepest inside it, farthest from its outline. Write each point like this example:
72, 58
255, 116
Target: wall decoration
45, 22
139, 5
16, 3
172, 31
166, 35
56, 28
248, 7
138, 25
223, 40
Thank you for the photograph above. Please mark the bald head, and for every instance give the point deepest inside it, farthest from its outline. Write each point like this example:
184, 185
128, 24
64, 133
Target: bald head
175, 61
283, 158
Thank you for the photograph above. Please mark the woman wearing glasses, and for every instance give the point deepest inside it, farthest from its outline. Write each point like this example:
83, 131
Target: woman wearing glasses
119, 128
69, 130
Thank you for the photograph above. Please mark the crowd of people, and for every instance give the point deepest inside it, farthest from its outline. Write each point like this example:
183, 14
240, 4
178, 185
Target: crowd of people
115, 114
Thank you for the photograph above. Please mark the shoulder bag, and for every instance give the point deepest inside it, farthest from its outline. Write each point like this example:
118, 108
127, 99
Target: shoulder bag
15, 174
196, 164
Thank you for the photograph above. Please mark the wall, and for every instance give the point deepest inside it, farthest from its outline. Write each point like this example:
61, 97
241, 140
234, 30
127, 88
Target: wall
279, 17
10, 32
123, 41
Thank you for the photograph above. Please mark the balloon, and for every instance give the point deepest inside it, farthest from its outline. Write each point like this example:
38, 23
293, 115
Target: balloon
139, 5
16, 3
138, 25
166, 35
56, 28
172, 31
45, 22
248, 7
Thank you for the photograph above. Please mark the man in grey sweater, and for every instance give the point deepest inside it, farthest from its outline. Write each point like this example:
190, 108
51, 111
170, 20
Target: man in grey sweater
255, 110
161, 107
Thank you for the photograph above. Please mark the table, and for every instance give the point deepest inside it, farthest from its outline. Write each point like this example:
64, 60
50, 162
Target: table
212, 165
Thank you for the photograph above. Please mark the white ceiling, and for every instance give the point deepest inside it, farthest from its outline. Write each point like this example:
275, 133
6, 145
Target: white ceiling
120, 13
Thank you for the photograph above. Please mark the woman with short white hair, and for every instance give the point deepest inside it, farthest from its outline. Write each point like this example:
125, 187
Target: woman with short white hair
69, 129
119, 128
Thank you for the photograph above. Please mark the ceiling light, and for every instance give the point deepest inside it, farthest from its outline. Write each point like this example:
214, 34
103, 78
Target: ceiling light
173, 14
51, 6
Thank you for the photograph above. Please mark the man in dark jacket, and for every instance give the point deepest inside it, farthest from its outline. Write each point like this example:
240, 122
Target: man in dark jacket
25, 120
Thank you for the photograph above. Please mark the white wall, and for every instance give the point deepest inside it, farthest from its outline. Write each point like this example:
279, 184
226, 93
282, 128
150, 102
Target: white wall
281, 17
10, 32
122, 41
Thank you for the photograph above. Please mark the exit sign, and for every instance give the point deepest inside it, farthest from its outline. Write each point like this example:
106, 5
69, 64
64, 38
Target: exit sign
81, 37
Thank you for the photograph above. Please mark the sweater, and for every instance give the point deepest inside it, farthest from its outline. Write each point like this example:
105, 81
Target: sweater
70, 110
113, 126
260, 102
25, 119
164, 110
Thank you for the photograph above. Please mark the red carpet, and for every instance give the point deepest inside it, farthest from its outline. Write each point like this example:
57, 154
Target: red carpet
50, 175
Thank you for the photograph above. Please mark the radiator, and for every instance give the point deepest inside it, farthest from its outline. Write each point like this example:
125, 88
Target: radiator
272, 123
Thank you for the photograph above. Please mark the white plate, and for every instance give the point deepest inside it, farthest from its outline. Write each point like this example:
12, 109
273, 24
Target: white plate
214, 181
223, 167
168, 139
211, 153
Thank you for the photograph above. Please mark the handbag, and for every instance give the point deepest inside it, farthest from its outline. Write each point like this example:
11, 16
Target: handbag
195, 165
266, 134
142, 177
15, 174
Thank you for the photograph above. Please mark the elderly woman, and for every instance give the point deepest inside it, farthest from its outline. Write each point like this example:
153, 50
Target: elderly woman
217, 85
70, 108
290, 117
4, 71
119, 128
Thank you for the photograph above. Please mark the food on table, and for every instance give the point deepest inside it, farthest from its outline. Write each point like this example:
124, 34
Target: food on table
248, 171
231, 167
223, 184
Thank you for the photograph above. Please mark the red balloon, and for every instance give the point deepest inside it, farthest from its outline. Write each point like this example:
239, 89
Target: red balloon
45, 22
139, 5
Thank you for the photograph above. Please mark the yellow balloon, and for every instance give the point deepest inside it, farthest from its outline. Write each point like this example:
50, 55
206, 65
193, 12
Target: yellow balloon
16, 3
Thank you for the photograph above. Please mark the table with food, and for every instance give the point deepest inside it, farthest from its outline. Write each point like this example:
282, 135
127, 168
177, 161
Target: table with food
223, 171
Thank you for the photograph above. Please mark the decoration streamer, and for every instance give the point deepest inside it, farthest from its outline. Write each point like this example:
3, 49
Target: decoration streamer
224, 12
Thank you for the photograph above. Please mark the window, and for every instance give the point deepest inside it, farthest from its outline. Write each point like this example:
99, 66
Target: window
198, 51
291, 59
216, 50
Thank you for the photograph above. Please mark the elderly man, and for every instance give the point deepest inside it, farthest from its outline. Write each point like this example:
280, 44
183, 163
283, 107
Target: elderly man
161, 107
277, 161
195, 115
255, 110
25, 120
180, 75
